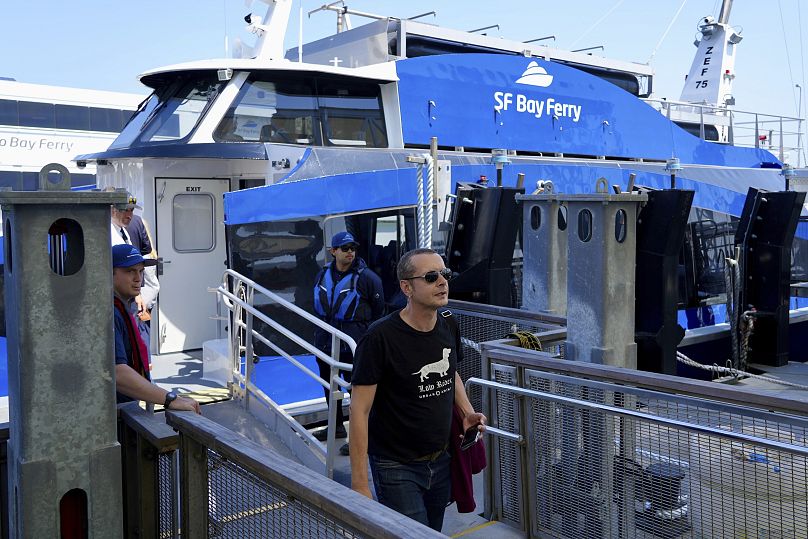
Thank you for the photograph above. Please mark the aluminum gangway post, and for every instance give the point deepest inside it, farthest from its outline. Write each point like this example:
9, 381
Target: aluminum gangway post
64, 461
601, 254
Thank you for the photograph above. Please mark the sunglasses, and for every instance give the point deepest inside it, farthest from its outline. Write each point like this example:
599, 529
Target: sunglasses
432, 276
347, 248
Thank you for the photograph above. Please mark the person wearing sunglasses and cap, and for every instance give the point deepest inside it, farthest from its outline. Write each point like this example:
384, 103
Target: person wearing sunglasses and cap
405, 385
349, 296
132, 377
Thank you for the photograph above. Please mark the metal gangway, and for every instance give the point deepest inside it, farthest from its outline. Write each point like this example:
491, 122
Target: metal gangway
241, 297
575, 450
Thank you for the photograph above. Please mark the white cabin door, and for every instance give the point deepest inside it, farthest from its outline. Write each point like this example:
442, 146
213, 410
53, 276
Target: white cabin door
190, 240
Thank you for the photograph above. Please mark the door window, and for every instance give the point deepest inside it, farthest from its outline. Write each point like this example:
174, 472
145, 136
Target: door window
193, 222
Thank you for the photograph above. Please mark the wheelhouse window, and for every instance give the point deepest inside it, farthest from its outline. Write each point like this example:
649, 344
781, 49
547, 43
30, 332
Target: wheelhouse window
172, 111
305, 110
352, 115
271, 111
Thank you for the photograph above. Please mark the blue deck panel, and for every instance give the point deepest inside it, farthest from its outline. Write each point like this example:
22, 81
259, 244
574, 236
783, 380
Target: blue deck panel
283, 382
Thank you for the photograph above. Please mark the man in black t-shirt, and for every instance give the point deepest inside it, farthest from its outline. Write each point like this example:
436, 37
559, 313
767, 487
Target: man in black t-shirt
405, 383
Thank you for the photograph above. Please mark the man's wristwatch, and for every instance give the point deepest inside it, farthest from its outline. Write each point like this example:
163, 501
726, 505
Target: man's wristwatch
170, 397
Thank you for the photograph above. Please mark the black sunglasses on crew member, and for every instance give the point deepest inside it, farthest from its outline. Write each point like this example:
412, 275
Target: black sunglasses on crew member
432, 276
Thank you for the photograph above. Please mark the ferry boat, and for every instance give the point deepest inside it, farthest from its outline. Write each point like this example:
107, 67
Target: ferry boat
251, 164
41, 124
285, 147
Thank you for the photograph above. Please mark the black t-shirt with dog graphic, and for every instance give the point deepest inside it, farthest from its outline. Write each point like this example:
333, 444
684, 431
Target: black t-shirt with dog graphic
414, 372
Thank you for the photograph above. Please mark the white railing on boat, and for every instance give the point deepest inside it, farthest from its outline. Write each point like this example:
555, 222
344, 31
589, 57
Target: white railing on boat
781, 135
239, 294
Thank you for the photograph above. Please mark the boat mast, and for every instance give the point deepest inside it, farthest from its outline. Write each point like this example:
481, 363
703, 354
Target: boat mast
271, 31
713, 69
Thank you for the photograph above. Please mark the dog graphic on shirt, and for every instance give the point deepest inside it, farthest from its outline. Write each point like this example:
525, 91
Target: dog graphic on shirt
439, 367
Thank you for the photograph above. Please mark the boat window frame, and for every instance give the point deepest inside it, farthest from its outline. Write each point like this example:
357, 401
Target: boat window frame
163, 95
281, 77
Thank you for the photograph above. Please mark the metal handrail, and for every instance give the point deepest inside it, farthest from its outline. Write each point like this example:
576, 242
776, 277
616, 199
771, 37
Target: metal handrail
233, 285
758, 122
704, 106
625, 412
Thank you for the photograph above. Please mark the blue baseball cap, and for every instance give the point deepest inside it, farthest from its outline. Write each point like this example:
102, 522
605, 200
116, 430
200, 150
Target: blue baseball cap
342, 238
125, 255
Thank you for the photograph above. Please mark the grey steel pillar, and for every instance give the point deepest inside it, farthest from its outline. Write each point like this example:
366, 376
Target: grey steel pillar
600, 329
544, 247
64, 461
600, 277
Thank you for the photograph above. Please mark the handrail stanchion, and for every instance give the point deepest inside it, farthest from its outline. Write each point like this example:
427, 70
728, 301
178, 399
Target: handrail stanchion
238, 294
731, 134
782, 154
335, 399
757, 132
701, 123
248, 347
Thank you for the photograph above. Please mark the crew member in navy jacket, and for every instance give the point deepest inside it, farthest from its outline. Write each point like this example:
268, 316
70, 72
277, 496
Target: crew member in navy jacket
349, 296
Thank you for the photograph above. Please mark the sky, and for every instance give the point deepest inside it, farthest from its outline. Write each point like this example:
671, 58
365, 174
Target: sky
105, 45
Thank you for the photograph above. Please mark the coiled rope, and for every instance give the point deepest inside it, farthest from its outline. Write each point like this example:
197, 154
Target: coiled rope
526, 340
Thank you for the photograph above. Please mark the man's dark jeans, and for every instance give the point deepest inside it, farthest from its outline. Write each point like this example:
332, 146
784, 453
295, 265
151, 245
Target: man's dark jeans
419, 490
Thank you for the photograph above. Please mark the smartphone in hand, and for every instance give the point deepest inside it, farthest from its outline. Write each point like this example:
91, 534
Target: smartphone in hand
470, 437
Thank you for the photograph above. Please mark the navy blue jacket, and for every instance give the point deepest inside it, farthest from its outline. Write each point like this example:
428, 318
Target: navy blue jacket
350, 304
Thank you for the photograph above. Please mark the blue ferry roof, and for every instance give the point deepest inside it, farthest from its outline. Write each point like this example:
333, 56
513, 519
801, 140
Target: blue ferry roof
718, 189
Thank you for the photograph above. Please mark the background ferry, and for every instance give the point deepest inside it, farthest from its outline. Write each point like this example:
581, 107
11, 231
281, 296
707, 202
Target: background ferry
41, 124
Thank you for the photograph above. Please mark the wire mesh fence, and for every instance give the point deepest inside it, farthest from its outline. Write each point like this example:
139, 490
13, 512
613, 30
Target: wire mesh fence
168, 494
234, 488
241, 504
615, 461
481, 323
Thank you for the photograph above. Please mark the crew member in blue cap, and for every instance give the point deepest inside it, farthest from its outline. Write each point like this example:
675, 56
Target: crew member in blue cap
132, 378
349, 296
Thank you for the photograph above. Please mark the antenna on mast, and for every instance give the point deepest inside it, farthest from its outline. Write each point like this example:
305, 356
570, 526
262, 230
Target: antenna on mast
723, 15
